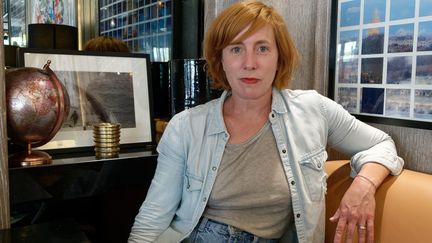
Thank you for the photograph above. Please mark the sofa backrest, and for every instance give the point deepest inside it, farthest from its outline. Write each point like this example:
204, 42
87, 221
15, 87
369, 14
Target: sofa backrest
403, 204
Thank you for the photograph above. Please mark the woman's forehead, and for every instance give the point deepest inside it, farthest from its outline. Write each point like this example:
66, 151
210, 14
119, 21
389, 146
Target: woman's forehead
250, 31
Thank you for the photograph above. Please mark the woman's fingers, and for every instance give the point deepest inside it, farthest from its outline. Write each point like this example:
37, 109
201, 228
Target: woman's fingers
335, 217
340, 230
370, 231
350, 232
362, 230
345, 231
356, 213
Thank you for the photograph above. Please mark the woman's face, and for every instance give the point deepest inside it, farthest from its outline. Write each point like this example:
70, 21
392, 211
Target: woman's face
250, 65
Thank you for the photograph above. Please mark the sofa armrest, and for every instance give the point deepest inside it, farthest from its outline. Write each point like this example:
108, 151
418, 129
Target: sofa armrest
403, 204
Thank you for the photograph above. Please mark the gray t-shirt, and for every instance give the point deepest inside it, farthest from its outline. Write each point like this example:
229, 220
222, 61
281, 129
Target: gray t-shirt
251, 191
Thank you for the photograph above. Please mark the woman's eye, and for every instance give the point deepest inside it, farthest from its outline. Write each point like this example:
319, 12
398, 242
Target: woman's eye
236, 50
263, 49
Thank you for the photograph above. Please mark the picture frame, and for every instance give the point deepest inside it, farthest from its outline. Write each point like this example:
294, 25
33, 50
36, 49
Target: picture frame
111, 86
381, 60
53, 12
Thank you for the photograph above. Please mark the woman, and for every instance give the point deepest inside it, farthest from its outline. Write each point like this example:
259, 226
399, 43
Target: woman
248, 167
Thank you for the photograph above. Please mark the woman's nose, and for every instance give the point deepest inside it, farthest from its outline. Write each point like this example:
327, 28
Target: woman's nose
250, 61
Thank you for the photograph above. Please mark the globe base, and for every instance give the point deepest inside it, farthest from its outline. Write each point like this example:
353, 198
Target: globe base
35, 157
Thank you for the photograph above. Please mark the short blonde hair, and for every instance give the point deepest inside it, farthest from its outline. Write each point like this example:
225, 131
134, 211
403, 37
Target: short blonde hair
106, 44
234, 19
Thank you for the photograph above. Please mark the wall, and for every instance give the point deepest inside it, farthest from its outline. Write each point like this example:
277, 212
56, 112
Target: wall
414, 145
309, 24
4, 179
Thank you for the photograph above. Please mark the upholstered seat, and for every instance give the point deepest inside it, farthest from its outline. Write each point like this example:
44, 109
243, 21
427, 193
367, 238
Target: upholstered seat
403, 204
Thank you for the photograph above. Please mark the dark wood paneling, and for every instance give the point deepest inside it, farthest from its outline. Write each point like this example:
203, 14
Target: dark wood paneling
4, 180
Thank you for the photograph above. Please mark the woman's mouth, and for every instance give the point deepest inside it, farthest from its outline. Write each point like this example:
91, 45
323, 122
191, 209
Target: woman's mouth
249, 80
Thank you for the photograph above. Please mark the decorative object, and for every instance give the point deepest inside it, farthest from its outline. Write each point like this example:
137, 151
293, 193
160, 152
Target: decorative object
189, 84
383, 60
161, 89
52, 36
37, 105
103, 87
106, 138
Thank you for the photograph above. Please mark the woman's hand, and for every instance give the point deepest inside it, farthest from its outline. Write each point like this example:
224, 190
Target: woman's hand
356, 210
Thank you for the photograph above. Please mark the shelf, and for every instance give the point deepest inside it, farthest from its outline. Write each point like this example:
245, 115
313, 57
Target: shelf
88, 157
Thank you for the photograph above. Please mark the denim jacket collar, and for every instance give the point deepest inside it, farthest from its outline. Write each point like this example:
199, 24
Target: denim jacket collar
217, 124
278, 105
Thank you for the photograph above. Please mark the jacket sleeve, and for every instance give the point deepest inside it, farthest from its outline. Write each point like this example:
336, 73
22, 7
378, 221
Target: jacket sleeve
359, 140
164, 194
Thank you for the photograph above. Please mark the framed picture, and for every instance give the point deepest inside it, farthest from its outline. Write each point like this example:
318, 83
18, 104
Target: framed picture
53, 12
381, 60
108, 87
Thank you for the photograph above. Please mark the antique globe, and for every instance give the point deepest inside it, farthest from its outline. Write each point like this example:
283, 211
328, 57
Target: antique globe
37, 104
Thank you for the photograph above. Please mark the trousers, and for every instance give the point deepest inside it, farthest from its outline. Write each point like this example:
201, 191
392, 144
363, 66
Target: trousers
211, 231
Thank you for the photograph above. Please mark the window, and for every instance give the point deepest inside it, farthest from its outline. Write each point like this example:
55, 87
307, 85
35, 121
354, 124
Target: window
144, 25
14, 26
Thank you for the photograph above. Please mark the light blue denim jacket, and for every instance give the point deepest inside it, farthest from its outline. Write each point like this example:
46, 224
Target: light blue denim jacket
303, 123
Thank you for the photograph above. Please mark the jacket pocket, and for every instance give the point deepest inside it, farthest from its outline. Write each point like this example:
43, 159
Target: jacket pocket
193, 182
314, 175
193, 186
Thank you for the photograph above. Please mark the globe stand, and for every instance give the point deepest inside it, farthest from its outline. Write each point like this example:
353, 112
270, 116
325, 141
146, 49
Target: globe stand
37, 104
30, 158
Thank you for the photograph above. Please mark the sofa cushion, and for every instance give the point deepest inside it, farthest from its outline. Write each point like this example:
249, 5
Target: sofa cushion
403, 204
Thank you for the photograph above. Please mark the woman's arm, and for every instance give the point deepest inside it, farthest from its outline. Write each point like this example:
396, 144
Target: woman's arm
164, 194
374, 157
361, 141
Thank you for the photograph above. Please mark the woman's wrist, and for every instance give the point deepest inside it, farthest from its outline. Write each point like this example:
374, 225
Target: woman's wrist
364, 178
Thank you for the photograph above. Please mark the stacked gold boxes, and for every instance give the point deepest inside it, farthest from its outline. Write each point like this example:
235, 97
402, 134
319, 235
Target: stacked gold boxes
106, 138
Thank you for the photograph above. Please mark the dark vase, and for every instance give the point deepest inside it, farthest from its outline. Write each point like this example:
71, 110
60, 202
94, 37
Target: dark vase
189, 84
160, 88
